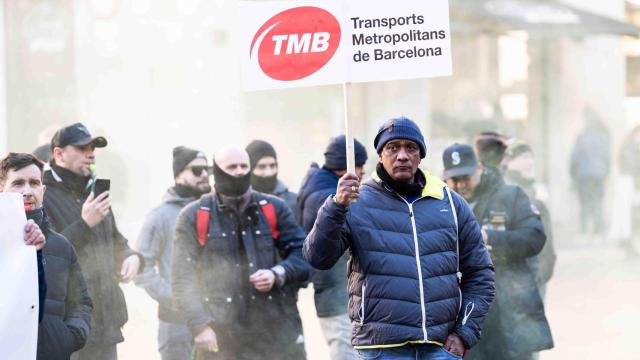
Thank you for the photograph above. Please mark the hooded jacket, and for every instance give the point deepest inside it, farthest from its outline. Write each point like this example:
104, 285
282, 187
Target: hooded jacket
68, 307
403, 285
100, 250
330, 286
155, 244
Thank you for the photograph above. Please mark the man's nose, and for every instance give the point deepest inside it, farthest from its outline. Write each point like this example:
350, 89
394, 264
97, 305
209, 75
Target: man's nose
403, 155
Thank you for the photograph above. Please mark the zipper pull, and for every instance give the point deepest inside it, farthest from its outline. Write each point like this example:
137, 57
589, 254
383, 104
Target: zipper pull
467, 312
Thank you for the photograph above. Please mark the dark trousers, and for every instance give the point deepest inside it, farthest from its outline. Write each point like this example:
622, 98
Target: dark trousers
96, 352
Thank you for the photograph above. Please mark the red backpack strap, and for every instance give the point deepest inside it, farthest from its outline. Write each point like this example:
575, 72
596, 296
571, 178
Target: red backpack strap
269, 211
203, 215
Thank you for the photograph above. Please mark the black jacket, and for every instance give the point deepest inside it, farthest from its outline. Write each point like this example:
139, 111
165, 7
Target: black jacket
515, 234
67, 319
100, 251
330, 286
210, 284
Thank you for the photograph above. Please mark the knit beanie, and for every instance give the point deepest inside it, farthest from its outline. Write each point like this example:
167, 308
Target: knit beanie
400, 128
258, 149
335, 155
182, 156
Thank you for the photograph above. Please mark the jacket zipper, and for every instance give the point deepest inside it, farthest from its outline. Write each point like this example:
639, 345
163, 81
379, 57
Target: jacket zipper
415, 241
364, 288
460, 301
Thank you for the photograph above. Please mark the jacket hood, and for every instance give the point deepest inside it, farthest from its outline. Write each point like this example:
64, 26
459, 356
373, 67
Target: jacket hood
317, 179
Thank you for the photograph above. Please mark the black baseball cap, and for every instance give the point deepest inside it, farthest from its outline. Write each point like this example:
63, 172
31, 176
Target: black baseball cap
459, 160
77, 135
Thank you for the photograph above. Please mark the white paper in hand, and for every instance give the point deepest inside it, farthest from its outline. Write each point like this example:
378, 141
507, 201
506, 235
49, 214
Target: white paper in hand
19, 283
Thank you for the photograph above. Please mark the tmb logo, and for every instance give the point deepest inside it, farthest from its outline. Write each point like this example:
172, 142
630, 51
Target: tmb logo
296, 43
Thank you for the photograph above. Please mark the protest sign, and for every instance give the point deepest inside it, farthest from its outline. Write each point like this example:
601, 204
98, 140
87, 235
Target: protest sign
291, 44
19, 283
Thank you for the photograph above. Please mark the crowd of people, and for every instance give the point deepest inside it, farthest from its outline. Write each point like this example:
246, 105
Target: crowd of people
404, 264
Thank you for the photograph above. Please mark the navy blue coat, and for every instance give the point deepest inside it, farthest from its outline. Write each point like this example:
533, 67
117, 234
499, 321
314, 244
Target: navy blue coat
210, 284
402, 273
330, 286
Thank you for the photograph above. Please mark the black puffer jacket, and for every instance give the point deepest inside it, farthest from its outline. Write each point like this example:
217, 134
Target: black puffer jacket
67, 311
100, 251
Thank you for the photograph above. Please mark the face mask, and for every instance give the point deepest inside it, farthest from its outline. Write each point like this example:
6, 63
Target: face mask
230, 185
264, 184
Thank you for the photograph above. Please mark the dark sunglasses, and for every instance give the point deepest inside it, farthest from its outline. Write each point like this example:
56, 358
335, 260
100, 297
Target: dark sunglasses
197, 170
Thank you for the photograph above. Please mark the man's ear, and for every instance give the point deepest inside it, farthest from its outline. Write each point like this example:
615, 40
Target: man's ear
44, 189
56, 153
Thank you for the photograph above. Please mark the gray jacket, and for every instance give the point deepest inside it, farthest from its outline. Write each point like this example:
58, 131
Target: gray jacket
155, 243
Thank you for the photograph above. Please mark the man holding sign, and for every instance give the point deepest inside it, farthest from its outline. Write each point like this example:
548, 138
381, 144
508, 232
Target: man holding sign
420, 277
67, 313
32, 233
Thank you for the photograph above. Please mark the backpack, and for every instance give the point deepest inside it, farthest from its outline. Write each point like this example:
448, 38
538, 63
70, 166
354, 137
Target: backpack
203, 216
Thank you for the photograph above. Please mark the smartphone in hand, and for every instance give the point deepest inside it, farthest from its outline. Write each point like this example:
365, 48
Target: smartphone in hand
101, 186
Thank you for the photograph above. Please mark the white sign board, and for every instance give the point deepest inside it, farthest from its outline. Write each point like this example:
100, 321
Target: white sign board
307, 43
19, 283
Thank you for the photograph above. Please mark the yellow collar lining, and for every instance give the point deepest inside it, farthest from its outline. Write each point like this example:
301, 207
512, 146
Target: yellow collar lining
434, 187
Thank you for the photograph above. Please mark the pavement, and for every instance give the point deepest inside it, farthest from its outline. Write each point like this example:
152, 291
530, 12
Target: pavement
593, 305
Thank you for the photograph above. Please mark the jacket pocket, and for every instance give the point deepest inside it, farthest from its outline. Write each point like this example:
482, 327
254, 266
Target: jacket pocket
362, 304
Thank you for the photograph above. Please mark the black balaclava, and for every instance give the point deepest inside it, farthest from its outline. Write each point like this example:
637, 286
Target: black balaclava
230, 185
264, 184
404, 189
257, 150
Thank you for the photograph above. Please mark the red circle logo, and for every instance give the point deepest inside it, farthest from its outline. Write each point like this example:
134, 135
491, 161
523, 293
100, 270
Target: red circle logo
296, 43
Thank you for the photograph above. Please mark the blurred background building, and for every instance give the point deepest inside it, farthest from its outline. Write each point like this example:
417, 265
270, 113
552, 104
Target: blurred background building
153, 74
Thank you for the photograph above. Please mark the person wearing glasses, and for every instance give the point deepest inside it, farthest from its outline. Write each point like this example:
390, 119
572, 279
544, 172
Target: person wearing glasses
420, 277
155, 242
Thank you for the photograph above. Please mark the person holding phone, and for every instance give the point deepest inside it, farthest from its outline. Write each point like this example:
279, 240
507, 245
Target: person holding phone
88, 222
155, 243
